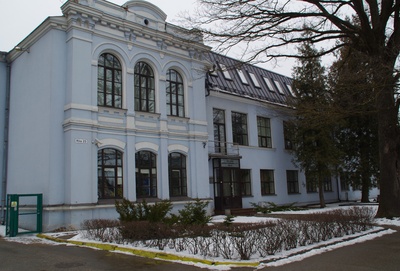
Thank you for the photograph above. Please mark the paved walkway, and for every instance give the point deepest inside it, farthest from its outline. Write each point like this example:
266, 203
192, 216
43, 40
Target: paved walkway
380, 254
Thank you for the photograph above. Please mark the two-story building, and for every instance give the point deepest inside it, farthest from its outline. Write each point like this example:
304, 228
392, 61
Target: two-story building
110, 101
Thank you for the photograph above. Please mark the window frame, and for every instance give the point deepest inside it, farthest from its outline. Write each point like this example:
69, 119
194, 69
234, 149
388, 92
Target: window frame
182, 179
219, 130
104, 82
104, 166
279, 87
225, 71
240, 133
267, 182
267, 138
242, 77
288, 138
245, 182
144, 86
328, 184
292, 180
311, 185
173, 99
151, 170
254, 79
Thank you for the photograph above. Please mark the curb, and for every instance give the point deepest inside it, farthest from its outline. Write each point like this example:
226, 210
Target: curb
148, 254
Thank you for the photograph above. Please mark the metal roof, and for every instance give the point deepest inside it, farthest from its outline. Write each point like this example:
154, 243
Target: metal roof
248, 81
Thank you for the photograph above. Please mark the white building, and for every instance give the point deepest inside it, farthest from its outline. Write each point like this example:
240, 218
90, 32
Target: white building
111, 101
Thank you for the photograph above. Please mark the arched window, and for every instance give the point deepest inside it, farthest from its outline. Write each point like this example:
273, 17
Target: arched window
109, 168
177, 175
175, 94
109, 81
146, 174
145, 99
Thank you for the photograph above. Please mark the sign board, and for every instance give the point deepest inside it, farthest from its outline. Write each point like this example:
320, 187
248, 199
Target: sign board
230, 163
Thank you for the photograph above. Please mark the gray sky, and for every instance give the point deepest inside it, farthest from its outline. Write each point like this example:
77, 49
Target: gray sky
18, 18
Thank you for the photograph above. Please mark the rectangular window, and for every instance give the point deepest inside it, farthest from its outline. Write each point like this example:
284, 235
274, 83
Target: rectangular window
239, 129
264, 132
269, 84
278, 85
287, 135
344, 181
254, 79
242, 77
328, 184
219, 130
225, 71
292, 181
290, 89
267, 182
312, 185
245, 180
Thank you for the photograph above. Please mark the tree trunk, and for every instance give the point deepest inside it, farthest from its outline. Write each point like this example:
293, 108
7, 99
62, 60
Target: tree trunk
321, 192
366, 183
389, 201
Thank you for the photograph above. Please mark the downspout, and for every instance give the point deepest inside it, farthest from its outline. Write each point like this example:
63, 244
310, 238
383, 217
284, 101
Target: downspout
5, 143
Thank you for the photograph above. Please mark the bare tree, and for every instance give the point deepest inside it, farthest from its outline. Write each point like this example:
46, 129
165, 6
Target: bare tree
264, 27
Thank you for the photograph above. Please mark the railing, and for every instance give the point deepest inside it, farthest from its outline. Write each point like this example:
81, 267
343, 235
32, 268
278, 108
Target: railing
221, 148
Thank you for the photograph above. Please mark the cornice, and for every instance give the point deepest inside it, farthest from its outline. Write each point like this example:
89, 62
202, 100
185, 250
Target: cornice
163, 34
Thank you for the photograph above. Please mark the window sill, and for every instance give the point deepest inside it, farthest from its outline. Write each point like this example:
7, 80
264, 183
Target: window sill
269, 195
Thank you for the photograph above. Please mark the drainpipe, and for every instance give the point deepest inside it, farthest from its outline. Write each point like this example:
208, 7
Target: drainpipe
5, 143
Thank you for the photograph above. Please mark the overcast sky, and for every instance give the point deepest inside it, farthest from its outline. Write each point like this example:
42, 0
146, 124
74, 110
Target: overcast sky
18, 18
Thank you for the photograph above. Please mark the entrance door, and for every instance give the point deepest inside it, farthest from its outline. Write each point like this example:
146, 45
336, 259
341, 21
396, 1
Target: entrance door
227, 192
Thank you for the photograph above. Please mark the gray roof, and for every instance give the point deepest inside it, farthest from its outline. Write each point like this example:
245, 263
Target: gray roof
257, 83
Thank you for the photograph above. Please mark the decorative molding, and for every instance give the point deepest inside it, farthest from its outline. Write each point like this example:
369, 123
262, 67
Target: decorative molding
178, 147
130, 36
81, 107
162, 45
109, 142
146, 146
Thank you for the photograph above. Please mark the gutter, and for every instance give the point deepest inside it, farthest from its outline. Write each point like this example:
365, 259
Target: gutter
5, 143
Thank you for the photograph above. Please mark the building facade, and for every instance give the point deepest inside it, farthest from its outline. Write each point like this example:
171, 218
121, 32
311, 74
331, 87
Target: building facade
109, 102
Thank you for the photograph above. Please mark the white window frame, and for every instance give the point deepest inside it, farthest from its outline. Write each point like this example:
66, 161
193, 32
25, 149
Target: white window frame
278, 85
254, 79
242, 76
225, 71
268, 82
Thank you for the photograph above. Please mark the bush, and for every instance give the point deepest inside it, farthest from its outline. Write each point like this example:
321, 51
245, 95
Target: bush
240, 241
272, 207
129, 211
104, 230
194, 213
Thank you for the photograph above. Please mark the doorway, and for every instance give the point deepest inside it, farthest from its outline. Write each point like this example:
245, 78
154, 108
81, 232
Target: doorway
227, 184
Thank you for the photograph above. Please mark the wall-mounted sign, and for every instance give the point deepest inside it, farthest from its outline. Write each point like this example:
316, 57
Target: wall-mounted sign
81, 141
230, 163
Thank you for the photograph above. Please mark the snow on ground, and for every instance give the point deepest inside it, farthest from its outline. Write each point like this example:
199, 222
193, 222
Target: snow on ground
283, 257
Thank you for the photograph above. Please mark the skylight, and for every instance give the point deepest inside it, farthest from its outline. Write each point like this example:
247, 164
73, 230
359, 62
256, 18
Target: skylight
278, 85
290, 89
225, 71
268, 82
254, 79
242, 76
